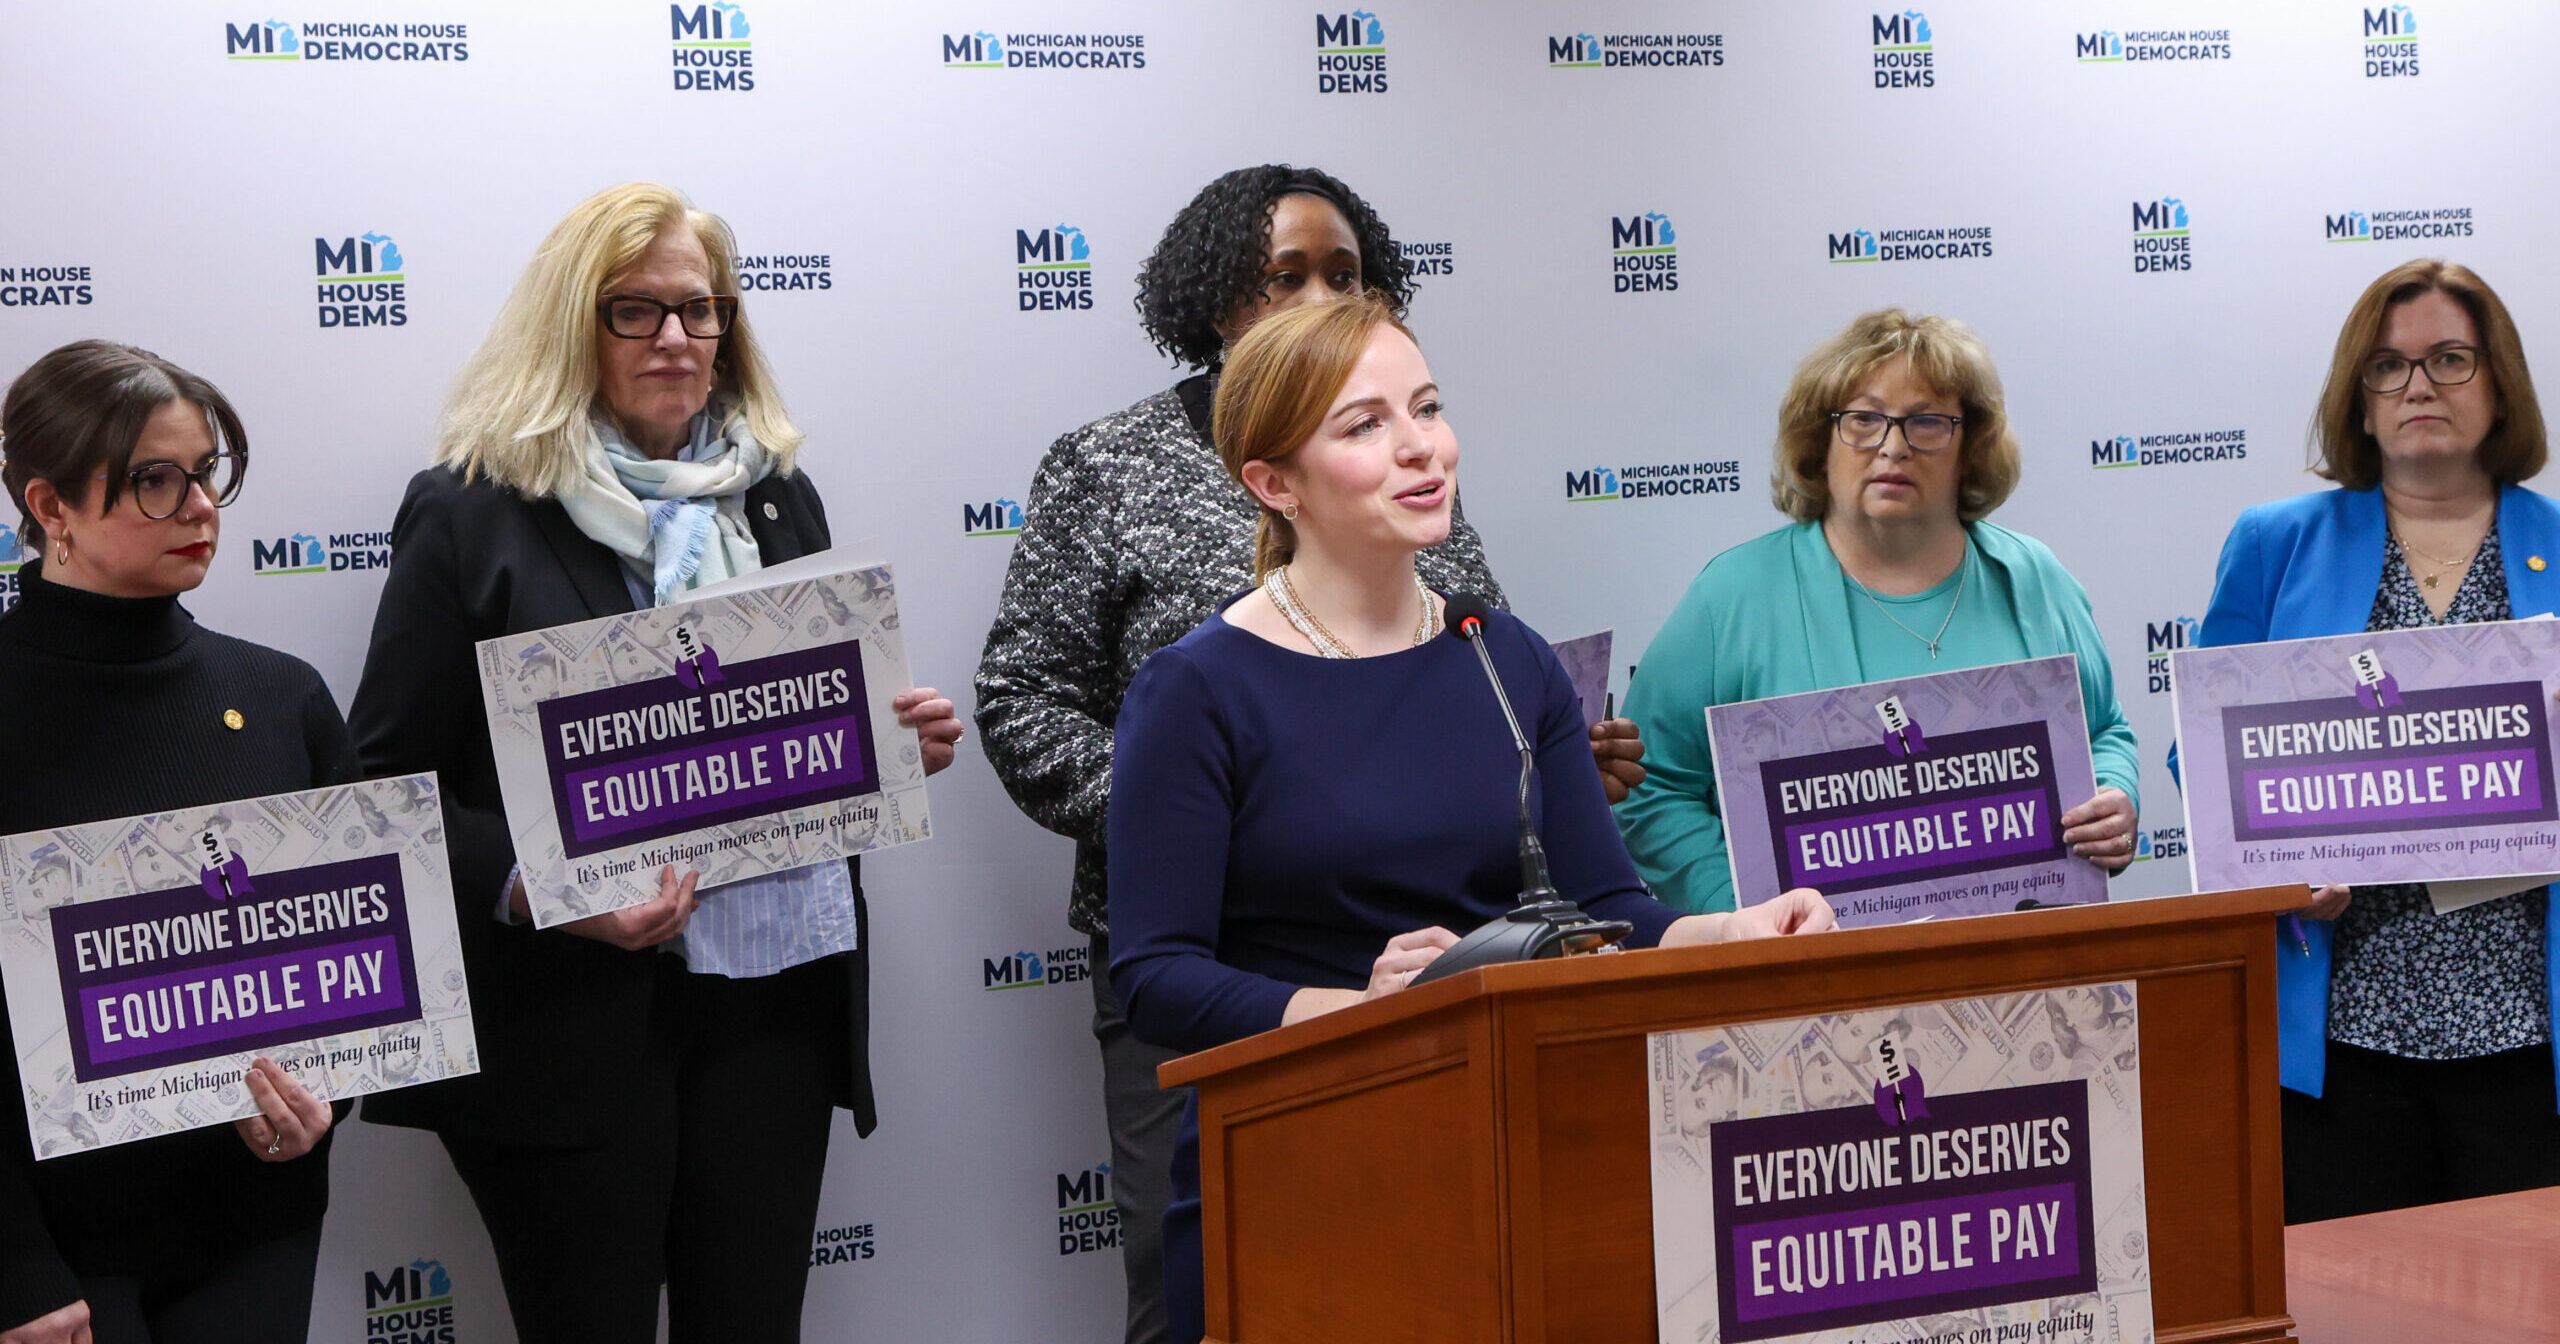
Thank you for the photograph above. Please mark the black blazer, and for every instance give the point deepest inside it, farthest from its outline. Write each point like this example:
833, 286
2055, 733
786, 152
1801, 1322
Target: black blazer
559, 1019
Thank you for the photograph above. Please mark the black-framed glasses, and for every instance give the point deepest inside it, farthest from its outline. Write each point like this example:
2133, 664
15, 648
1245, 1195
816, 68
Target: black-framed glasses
637, 317
2387, 371
160, 488
1928, 432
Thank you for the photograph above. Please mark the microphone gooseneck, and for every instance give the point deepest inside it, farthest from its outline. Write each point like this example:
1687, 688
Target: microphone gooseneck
1466, 614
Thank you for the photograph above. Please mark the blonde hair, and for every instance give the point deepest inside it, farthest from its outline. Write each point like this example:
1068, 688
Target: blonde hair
2345, 452
1946, 356
1280, 379
518, 414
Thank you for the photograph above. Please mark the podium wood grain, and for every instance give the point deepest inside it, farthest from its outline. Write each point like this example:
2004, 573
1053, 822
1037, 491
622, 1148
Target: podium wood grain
1468, 1161
2482, 1271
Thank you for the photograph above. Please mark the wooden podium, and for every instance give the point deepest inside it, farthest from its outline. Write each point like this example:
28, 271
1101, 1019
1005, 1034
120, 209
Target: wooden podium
1467, 1161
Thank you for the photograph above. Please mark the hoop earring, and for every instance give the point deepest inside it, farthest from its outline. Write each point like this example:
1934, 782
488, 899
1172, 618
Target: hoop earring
62, 552
1290, 514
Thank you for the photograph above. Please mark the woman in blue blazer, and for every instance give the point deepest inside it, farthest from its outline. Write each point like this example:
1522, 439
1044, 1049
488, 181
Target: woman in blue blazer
2416, 1046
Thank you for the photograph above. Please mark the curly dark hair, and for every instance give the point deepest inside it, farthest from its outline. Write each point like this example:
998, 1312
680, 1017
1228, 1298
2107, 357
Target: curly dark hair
1212, 254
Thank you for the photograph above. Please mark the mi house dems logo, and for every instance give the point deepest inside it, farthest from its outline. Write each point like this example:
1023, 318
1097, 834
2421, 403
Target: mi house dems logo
410, 1304
1906, 55
364, 281
1086, 1220
1052, 270
277, 40
2159, 640
2369, 226
2160, 239
712, 50
1351, 53
2109, 47
1881, 245
995, 518
1644, 254
1635, 51
304, 553
2155, 450
1653, 480
2390, 43
1044, 51
1029, 970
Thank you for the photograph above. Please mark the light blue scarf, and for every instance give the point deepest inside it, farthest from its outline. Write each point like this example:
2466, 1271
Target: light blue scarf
677, 524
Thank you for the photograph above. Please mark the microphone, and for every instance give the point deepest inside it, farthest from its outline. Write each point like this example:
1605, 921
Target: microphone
1543, 923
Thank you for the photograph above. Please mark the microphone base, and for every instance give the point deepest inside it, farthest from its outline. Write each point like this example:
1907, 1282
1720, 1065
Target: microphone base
1540, 929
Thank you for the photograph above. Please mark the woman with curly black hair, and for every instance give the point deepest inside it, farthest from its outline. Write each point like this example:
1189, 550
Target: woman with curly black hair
1133, 536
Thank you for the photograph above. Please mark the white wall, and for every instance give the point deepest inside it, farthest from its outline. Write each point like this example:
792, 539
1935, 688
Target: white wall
192, 187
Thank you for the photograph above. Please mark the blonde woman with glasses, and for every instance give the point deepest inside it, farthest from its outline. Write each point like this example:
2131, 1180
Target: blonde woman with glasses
657, 1084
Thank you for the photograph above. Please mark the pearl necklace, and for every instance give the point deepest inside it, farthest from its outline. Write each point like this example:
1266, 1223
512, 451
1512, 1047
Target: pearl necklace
1284, 596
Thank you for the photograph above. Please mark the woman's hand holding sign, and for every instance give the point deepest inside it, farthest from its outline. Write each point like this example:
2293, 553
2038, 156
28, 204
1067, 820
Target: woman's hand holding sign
62, 1325
633, 927
2101, 829
291, 1120
936, 721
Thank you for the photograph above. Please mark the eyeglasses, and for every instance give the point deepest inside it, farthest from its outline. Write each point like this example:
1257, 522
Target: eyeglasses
637, 317
1866, 430
2388, 371
160, 488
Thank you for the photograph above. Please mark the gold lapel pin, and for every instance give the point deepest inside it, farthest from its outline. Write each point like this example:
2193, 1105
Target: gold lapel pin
231, 719
2536, 563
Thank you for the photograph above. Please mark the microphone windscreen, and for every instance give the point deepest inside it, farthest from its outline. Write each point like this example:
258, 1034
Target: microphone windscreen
1465, 613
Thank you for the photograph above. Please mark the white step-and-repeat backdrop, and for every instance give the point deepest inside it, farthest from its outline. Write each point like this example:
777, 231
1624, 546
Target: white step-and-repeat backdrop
1631, 220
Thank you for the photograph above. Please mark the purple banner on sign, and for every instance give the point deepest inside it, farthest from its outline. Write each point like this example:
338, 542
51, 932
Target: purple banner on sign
171, 977
703, 785
2452, 756
1846, 821
1843, 855
1842, 1261
1833, 1219
652, 759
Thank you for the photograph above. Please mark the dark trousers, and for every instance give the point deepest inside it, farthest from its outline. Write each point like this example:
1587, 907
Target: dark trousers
260, 1296
1143, 1120
1186, 1262
708, 1182
2390, 1132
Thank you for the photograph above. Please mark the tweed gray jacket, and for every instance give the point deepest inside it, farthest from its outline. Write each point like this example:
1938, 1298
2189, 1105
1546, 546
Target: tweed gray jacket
1133, 536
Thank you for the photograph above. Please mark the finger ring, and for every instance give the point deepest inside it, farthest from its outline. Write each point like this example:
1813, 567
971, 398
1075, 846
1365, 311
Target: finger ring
955, 737
276, 1144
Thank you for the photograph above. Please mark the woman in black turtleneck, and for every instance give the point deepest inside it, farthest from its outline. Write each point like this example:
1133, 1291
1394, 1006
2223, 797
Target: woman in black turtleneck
118, 704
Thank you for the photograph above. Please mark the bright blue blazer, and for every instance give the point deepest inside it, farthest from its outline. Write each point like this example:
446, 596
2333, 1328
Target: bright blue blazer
2309, 566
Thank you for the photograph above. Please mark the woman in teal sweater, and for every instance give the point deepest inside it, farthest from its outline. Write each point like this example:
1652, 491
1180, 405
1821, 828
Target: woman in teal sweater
1892, 447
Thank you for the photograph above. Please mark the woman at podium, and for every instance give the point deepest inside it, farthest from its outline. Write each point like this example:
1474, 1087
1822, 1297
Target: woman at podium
1893, 450
2416, 1046
1311, 790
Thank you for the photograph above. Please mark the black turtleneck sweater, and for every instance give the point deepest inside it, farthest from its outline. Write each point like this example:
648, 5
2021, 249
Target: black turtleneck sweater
114, 707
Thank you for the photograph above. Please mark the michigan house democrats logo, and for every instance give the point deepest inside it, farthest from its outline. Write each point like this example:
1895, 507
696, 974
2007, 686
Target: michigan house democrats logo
983, 50
2109, 47
408, 1304
2369, 226
1906, 51
2161, 241
305, 553
364, 281
1052, 270
1885, 245
10, 558
2390, 43
1030, 970
46, 286
995, 518
1653, 480
1644, 254
277, 40
2159, 640
1086, 1220
712, 49
1351, 53
2165, 842
844, 1244
1635, 51
768, 272
2155, 450
1430, 259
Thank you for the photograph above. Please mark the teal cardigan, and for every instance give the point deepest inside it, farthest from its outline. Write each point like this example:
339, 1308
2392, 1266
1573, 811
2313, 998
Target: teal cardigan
2310, 566
1771, 617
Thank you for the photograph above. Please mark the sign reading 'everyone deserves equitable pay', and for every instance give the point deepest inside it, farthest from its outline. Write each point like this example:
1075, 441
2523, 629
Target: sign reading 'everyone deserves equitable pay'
2393, 756
150, 959
739, 734
1965, 1172
1935, 795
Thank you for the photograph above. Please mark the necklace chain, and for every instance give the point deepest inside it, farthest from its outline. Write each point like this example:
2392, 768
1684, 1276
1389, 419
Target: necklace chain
1284, 595
2444, 567
1963, 576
